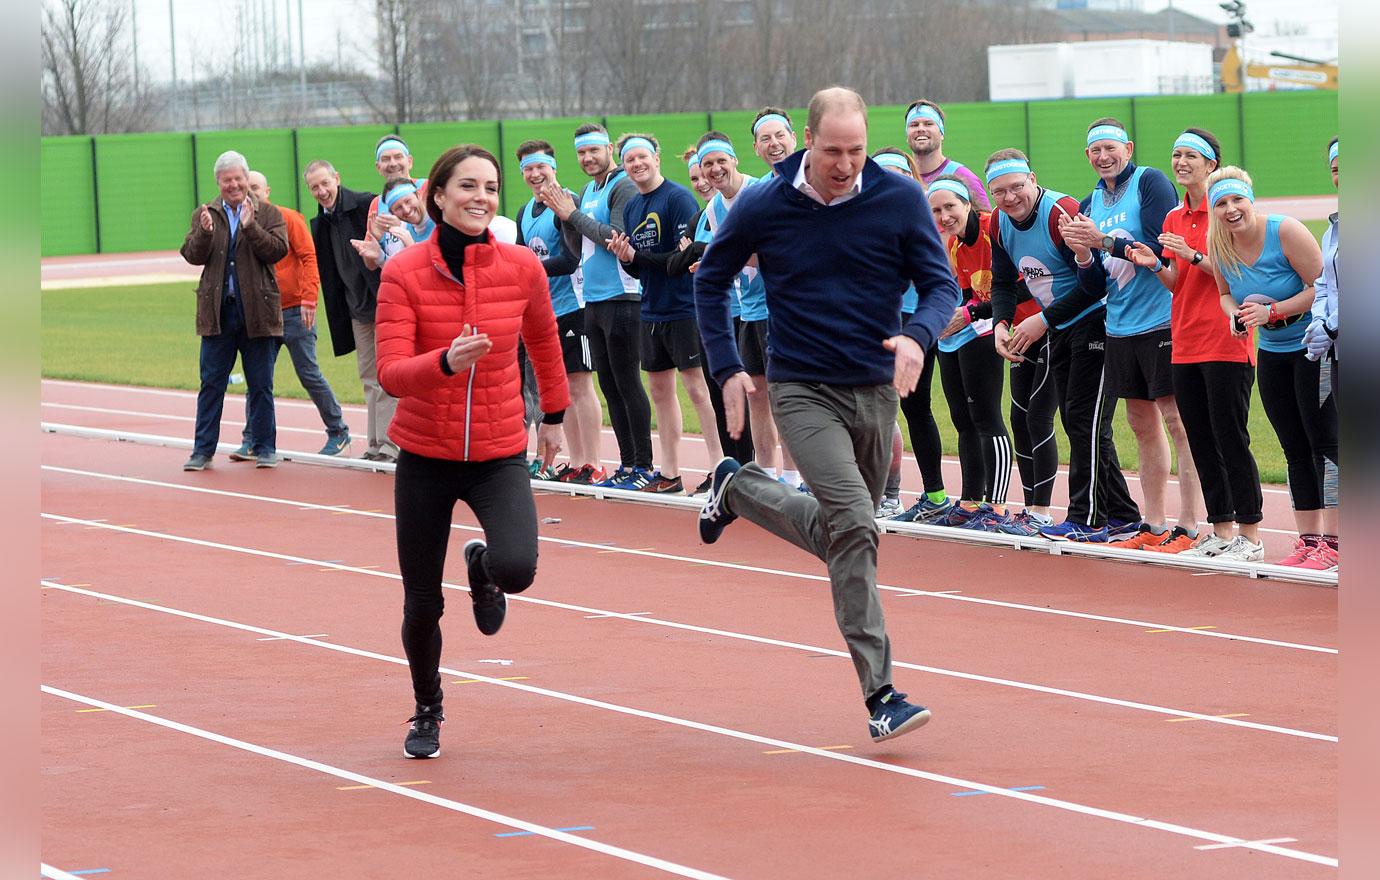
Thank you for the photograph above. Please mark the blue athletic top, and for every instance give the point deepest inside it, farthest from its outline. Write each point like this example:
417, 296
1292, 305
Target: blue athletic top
1048, 276
1274, 278
601, 277
1136, 301
752, 293
704, 234
540, 234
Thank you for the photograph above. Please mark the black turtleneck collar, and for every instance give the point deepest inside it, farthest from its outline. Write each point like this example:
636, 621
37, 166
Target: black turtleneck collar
973, 229
453, 243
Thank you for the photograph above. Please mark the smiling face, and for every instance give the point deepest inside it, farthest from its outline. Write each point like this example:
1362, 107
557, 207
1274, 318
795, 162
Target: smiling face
233, 184
719, 169
1190, 167
1014, 194
838, 152
643, 167
1234, 212
324, 185
773, 141
394, 163
408, 209
469, 199
538, 175
596, 159
1336, 173
923, 135
950, 212
700, 183
1109, 157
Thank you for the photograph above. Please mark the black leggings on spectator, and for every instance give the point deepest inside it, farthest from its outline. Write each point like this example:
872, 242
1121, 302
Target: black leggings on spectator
924, 433
1033, 402
614, 328
740, 449
972, 378
1307, 431
424, 494
1214, 399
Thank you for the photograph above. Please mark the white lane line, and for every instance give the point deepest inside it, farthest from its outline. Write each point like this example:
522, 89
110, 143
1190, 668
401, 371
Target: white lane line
310, 636
1208, 846
780, 643
46, 870
713, 563
626, 855
960, 784
691, 438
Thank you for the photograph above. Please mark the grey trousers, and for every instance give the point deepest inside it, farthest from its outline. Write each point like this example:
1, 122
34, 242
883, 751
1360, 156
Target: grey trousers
840, 438
376, 400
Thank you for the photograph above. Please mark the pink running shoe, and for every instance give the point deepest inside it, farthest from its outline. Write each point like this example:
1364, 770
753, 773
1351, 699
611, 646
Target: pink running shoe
1323, 558
1303, 549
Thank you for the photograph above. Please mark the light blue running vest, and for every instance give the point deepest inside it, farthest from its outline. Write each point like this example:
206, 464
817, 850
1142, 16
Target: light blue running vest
1273, 277
1034, 253
1136, 300
601, 277
541, 236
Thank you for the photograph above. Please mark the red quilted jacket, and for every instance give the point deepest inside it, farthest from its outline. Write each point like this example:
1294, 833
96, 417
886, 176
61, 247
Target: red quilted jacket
477, 414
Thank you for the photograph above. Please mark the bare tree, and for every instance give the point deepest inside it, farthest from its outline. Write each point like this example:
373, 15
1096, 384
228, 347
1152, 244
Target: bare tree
397, 44
89, 82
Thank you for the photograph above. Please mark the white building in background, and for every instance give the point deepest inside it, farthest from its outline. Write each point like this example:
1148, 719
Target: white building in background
1099, 69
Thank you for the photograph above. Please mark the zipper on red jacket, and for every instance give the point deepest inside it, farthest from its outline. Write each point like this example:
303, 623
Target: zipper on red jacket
469, 384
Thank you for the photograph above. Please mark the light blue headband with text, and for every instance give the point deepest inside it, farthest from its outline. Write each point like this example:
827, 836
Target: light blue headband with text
391, 144
1108, 133
892, 160
1230, 186
714, 146
592, 139
1195, 142
1332, 154
771, 117
397, 193
954, 187
633, 143
925, 111
1007, 166
538, 159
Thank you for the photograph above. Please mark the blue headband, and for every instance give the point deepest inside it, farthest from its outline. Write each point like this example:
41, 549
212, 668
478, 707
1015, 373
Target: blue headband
1108, 133
771, 117
1230, 186
1007, 166
925, 111
954, 187
1194, 142
714, 146
694, 162
592, 139
892, 160
397, 192
633, 143
537, 159
391, 144
1332, 154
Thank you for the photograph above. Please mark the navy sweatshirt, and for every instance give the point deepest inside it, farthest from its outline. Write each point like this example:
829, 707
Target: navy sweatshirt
654, 223
834, 276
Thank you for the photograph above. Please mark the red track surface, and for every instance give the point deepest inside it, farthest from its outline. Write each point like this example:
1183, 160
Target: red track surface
655, 683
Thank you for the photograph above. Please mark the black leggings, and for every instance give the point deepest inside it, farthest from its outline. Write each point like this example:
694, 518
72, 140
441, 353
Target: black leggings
1033, 402
614, 328
1214, 401
740, 449
424, 494
972, 380
924, 433
1307, 430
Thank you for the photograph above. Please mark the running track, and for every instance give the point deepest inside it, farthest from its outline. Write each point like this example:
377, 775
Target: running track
680, 710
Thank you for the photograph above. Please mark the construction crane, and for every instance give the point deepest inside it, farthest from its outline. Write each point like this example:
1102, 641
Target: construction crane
1305, 72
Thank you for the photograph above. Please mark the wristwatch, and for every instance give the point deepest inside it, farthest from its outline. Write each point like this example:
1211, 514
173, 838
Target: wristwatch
1108, 242
1197, 257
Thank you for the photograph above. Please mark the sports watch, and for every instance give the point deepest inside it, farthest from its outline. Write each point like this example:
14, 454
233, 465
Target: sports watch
1108, 242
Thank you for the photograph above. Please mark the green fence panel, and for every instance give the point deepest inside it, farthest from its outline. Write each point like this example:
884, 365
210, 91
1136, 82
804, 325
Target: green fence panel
1059, 137
560, 134
350, 148
147, 190
67, 197
673, 131
1286, 141
1160, 120
268, 151
972, 132
428, 140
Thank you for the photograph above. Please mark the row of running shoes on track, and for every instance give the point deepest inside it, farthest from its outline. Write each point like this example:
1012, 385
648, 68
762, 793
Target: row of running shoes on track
1310, 552
627, 479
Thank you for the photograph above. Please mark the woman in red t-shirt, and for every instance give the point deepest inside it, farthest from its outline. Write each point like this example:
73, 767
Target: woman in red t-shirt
1213, 370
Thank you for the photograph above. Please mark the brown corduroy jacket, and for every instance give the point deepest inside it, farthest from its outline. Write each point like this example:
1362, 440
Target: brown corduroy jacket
258, 247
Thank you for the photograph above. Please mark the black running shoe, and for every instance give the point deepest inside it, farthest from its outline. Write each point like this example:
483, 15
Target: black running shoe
424, 736
490, 603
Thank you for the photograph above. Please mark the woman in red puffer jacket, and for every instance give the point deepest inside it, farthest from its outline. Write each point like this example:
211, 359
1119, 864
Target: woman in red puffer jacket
450, 313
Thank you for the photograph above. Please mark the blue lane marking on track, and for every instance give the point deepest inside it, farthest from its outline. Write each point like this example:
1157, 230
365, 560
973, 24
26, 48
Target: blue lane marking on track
529, 833
1018, 788
91, 871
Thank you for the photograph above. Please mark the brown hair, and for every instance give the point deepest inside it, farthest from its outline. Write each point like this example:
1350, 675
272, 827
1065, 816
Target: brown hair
445, 167
769, 111
527, 148
629, 135
926, 102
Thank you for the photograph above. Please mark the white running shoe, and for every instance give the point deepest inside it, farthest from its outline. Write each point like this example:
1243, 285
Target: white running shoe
1242, 550
1209, 545
889, 507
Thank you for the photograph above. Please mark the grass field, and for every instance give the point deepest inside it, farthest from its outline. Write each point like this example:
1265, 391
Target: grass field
145, 336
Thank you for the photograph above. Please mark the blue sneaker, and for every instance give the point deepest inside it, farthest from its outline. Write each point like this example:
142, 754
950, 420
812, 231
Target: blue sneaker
986, 520
714, 516
924, 511
1120, 529
636, 480
893, 716
1024, 524
957, 516
614, 479
338, 444
1068, 530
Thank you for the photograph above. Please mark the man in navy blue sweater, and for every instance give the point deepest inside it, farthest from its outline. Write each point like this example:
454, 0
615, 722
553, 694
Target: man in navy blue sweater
837, 240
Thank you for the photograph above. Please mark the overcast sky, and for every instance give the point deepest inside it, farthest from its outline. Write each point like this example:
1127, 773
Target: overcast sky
205, 28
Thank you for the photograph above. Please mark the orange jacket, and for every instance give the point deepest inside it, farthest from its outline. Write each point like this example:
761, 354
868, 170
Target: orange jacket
298, 280
477, 414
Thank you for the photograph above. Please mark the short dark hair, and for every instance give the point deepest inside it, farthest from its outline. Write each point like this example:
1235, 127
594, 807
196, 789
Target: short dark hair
629, 135
390, 137
588, 127
926, 102
712, 135
527, 148
769, 111
1212, 142
1110, 120
445, 166
395, 182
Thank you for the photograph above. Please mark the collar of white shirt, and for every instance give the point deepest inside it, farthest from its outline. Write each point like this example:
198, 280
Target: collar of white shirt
803, 185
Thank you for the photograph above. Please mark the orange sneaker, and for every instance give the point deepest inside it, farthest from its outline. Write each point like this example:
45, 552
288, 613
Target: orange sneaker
1144, 537
1178, 541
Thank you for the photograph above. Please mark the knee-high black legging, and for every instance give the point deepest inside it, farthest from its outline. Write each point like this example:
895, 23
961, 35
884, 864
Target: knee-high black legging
1214, 400
1307, 429
972, 380
1033, 402
614, 328
924, 433
424, 494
